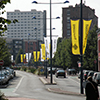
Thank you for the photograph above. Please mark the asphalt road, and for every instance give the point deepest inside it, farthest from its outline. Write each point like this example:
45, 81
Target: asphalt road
29, 86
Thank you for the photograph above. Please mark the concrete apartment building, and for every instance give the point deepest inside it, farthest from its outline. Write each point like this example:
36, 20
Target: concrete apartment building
27, 32
74, 14
26, 24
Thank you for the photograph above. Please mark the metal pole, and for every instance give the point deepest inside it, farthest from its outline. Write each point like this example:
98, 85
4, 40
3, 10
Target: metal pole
36, 47
50, 44
28, 50
45, 64
81, 47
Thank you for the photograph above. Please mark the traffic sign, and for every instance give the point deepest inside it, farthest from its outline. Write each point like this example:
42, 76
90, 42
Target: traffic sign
1, 62
79, 64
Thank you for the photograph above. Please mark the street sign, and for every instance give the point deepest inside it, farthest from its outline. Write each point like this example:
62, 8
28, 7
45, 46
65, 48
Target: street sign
1, 62
79, 64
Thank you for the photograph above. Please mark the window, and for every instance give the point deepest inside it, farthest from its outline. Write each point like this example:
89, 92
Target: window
68, 32
68, 25
68, 19
68, 12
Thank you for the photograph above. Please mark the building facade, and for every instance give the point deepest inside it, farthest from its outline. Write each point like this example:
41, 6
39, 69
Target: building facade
74, 14
28, 46
36, 27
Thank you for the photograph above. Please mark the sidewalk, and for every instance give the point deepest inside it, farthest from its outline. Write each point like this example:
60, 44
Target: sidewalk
20, 98
46, 81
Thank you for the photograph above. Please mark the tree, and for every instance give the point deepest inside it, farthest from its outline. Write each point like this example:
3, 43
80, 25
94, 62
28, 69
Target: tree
3, 21
18, 59
64, 56
91, 50
4, 52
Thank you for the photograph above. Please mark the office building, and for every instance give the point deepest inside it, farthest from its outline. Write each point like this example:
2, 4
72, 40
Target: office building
74, 14
26, 25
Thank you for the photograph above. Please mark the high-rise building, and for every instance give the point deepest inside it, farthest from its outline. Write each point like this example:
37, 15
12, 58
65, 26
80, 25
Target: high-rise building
26, 25
74, 14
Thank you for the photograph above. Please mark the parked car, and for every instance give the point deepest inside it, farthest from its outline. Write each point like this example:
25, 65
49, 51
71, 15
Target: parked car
11, 72
91, 73
85, 74
96, 77
3, 78
60, 73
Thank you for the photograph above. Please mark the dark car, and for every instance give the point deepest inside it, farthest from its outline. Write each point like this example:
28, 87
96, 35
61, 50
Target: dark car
53, 70
60, 73
71, 72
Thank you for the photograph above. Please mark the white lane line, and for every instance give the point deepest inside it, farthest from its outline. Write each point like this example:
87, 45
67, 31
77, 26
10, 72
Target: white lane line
18, 84
74, 80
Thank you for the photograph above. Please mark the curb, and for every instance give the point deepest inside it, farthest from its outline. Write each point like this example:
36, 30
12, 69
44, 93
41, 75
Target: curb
47, 82
57, 90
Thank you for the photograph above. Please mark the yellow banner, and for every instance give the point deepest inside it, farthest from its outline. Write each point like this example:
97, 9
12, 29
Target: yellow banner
86, 27
34, 54
21, 56
38, 55
43, 51
24, 60
75, 37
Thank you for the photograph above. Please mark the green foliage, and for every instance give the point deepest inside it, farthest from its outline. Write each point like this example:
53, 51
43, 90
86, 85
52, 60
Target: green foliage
40, 71
2, 96
91, 50
18, 59
4, 52
3, 21
64, 57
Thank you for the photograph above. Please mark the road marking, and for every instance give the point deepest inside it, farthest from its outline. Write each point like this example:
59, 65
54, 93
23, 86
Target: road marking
18, 84
74, 80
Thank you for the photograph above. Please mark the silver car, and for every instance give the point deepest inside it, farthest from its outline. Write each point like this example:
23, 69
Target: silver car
96, 77
3, 78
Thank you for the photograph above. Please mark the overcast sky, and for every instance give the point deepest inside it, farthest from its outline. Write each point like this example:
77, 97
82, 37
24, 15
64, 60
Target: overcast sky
26, 5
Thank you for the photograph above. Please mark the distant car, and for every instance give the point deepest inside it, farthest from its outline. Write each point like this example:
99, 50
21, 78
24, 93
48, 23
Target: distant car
71, 71
96, 77
53, 70
60, 73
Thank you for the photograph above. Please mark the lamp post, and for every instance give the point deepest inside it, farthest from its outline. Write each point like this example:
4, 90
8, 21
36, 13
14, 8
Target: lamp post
28, 48
81, 47
36, 45
51, 31
23, 50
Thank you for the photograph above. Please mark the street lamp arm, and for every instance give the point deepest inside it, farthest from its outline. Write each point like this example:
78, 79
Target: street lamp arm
51, 3
46, 18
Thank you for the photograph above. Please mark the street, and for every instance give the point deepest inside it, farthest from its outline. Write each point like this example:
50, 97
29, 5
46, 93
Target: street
28, 85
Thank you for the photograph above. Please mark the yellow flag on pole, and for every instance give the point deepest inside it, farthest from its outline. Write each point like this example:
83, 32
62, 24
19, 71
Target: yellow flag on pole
38, 55
34, 54
75, 37
86, 27
21, 55
43, 51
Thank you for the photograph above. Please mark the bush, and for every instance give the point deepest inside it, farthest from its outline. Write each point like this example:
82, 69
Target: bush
2, 96
40, 71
